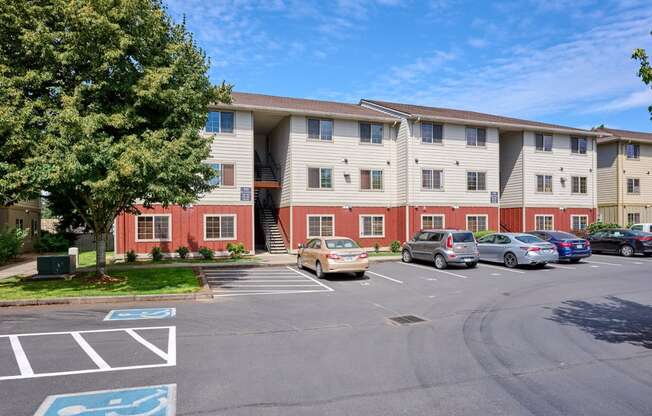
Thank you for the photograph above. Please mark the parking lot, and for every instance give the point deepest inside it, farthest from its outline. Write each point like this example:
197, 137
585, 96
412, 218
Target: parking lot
408, 339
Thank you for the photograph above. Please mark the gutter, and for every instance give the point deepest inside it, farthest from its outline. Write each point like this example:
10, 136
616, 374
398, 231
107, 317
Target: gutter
248, 107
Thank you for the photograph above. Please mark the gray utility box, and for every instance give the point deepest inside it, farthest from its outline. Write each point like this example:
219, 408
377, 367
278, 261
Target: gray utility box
55, 265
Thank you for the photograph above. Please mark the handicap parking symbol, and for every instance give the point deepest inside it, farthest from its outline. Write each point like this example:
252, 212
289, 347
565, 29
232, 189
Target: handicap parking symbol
134, 314
138, 401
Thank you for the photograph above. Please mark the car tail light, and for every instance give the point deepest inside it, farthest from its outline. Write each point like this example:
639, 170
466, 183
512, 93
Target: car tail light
588, 243
333, 256
449, 241
565, 244
644, 238
531, 248
363, 256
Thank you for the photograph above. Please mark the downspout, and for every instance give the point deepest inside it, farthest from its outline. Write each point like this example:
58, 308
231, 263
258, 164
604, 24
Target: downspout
620, 209
523, 193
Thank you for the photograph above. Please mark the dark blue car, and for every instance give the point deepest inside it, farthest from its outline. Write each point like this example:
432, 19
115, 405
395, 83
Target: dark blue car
569, 246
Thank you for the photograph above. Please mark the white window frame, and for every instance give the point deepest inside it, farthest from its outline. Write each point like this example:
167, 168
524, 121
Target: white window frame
442, 181
153, 228
638, 157
633, 222
235, 227
579, 185
220, 127
573, 217
371, 181
634, 191
371, 132
543, 149
552, 222
579, 149
211, 162
320, 216
442, 216
434, 141
552, 183
466, 140
486, 185
360, 225
486, 221
320, 138
321, 188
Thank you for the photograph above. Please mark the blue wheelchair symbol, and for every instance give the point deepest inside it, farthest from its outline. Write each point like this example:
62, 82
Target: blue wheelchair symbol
133, 314
139, 401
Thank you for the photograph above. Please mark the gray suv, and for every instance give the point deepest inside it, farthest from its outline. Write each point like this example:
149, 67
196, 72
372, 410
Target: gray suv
443, 247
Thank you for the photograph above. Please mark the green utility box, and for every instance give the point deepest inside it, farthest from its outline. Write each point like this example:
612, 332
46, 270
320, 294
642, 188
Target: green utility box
55, 265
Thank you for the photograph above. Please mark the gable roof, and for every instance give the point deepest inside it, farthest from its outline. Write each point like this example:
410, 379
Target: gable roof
625, 134
250, 101
461, 116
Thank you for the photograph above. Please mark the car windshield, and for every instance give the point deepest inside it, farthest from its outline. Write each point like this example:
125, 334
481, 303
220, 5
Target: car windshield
563, 236
342, 243
637, 233
529, 239
463, 238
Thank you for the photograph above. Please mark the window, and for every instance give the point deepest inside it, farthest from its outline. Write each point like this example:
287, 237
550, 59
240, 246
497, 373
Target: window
320, 178
19, 224
431, 133
372, 226
578, 184
633, 218
475, 223
371, 133
321, 226
320, 129
476, 136
224, 174
578, 145
633, 151
633, 186
544, 222
219, 227
371, 180
432, 222
543, 142
544, 183
153, 228
219, 122
432, 179
579, 222
35, 227
476, 181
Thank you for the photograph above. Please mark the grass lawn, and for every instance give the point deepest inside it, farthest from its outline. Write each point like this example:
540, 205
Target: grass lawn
382, 254
87, 258
137, 282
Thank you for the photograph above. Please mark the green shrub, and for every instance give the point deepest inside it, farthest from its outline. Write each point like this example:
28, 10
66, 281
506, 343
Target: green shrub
51, 243
131, 256
206, 253
480, 234
395, 247
597, 226
183, 252
376, 247
10, 243
157, 255
235, 250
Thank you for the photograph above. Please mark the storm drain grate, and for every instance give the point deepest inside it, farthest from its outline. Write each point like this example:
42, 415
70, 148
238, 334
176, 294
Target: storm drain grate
406, 320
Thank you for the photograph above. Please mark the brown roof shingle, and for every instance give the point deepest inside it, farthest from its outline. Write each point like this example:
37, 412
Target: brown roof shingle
626, 134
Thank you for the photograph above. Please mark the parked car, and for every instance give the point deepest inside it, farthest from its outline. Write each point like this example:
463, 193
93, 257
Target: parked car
569, 246
621, 241
333, 255
514, 249
443, 247
646, 227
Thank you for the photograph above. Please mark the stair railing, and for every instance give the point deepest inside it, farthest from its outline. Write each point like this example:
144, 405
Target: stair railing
276, 168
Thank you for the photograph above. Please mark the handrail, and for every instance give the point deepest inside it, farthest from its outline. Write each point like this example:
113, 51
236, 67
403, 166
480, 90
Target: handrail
276, 168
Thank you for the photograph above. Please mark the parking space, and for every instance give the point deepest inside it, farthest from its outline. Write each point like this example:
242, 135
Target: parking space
262, 281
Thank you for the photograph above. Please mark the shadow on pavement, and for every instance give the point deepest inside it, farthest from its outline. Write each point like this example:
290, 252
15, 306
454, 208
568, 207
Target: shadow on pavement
616, 321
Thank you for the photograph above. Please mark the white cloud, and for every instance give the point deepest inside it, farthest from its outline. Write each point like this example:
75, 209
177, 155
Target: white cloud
636, 99
477, 42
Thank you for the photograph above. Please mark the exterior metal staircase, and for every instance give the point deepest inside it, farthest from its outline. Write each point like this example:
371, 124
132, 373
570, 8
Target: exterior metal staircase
267, 219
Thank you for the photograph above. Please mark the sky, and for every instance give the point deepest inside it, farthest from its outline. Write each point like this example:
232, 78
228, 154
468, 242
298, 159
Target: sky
558, 61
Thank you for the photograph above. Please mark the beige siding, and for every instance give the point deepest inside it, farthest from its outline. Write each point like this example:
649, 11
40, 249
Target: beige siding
28, 212
607, 173
641, 169
237, 148
402, 143
562, 165
282, 154
608, 214
445, 157
511, 169
346, 174
645, 211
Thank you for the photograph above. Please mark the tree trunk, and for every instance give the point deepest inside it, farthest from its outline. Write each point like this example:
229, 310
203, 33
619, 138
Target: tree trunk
100, 254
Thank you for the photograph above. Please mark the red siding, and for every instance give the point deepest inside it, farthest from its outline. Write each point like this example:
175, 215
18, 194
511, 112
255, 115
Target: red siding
284, 224
562, 219
511, 220
187, 228
453, 218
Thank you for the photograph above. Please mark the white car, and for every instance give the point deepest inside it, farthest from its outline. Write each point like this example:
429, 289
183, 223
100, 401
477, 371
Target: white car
646, 228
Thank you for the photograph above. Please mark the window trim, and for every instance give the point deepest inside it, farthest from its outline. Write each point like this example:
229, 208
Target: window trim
543, 149
320, 216
320, 187
552, 183
486, 185
432, 125
371, 124
579, 153
231, 133
320, 140
442, 216
360, 227
634, 192
466, 221
579, 185
235, 227
634, 222
210, 162
633, 158
443, 180
139, 240
536, 216
371, 188
572, 217
476, 145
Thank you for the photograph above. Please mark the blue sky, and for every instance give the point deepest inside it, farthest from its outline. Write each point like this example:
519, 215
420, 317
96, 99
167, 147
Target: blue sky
560, 61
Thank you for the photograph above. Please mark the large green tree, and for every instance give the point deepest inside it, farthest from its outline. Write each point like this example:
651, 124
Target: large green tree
645, 70
101, 103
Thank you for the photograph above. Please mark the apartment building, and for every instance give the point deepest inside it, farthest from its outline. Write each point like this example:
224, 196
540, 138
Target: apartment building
290, 169
25, 215
624, 165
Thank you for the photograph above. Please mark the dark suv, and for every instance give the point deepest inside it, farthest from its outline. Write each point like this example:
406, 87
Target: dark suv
443, 247
621, 241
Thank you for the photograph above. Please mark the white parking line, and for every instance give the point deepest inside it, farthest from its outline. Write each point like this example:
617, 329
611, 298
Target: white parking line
311, 278
432, 269
384, 277
23, 363
153, 348
604, 263
90, 351
504, 268
245, 285
559, 266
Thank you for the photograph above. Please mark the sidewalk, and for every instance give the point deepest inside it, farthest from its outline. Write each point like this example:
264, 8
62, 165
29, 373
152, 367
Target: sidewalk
25, 265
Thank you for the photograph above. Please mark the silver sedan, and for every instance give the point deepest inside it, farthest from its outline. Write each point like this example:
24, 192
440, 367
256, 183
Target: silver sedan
514, 249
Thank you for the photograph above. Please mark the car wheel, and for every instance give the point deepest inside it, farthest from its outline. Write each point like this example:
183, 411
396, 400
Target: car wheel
319, 271
540, 265
575, 260
440, 262
627, 251
510, 260
472, 265
359, 275
406, 257
299, 263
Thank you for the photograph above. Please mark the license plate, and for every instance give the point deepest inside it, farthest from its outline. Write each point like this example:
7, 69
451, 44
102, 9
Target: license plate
579, 246
467, 260
546, 250
349, 258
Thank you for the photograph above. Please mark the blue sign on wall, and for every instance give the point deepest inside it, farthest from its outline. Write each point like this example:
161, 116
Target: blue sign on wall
245, 193
494, 197
134, 314
138, 401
